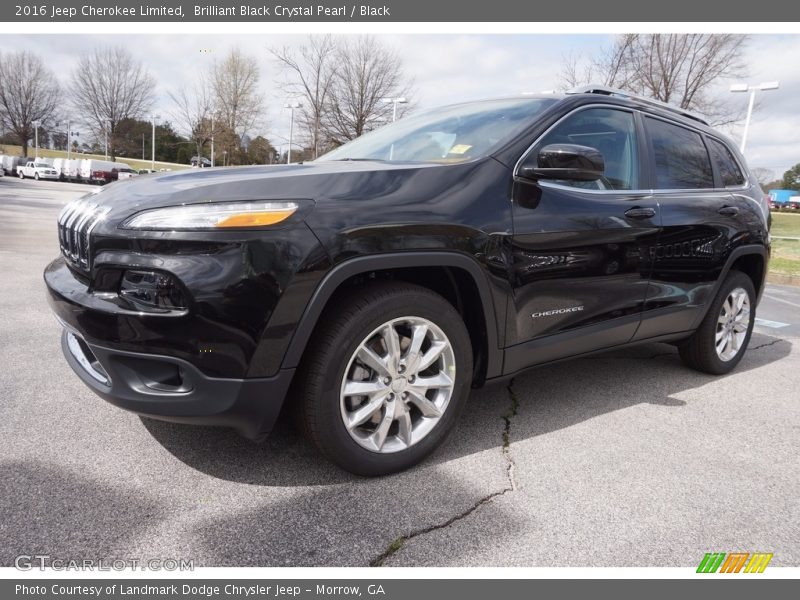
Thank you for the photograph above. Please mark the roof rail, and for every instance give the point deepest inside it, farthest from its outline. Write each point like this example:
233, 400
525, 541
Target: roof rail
609, 91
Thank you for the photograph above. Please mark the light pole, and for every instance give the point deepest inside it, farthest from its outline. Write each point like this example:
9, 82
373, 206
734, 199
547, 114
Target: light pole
291, 108
70, 134
36, 138
153, 155
395, 102
212, 141
744, 87
106, 122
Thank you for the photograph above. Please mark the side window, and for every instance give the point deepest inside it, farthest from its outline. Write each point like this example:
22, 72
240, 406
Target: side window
681, 157
726, 165
610, 131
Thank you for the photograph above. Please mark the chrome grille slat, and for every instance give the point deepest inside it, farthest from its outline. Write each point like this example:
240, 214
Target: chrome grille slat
75, 224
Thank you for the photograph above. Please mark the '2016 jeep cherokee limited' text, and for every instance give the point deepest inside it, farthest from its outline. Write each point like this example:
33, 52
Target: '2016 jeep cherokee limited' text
376, 285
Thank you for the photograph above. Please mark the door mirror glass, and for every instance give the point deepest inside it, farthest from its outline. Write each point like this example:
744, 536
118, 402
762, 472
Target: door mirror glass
564, 161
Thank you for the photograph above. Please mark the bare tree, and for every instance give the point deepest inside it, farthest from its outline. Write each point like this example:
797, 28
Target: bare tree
108, 86
367, 72
28, 95
238, 102
762, 175
679, 69
194, 111
310, 70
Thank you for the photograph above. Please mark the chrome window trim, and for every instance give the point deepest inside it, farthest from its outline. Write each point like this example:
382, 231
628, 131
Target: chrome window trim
515, 173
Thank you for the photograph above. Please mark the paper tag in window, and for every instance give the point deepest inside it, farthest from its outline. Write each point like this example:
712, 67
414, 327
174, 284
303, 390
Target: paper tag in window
459, 149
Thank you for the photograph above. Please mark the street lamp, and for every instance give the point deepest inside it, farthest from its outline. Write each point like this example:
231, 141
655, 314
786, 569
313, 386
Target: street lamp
106, 123
70, 135
743, 87
395, 102
36, 137
153, 155
212, 141
291, 108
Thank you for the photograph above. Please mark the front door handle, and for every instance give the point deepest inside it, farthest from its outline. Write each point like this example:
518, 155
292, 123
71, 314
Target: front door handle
728, 211
637, 212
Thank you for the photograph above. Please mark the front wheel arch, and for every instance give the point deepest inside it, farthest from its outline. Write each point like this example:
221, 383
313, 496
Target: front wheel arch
336, 281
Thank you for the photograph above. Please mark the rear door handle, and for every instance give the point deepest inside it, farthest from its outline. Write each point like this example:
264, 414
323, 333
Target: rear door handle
728, 211
638, 212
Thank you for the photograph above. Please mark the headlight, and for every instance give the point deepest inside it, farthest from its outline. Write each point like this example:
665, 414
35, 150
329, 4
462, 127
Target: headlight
222, 215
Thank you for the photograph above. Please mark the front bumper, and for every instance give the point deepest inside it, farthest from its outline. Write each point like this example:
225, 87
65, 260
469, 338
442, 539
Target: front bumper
171, 389
134, 361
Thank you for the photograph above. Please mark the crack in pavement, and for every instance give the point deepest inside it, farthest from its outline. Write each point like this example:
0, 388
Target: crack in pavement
399, 542
772, 343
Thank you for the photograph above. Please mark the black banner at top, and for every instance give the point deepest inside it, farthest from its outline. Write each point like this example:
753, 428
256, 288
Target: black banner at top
398, 11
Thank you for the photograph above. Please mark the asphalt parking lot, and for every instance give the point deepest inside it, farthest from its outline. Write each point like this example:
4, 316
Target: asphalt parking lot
621, 459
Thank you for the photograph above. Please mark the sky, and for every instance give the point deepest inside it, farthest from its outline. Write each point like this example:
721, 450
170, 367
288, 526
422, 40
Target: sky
448, 68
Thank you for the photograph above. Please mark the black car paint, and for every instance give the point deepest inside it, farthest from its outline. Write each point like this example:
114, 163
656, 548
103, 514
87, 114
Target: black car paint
254, 296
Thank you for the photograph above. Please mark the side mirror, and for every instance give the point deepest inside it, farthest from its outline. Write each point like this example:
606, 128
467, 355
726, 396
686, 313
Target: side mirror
564, 161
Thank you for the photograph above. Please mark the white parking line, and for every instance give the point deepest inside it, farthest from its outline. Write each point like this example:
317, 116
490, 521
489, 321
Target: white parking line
771, 324
771, 297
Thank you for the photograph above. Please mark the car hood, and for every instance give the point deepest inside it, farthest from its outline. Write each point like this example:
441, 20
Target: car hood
313, 181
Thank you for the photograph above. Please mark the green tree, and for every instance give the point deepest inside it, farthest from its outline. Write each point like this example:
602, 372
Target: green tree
184, 155
260, 151
791, 179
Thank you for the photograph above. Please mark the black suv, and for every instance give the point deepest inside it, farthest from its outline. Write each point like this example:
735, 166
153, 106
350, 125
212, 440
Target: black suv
376, 285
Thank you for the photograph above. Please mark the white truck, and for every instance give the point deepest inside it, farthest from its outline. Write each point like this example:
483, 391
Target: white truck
100, 171
37, 170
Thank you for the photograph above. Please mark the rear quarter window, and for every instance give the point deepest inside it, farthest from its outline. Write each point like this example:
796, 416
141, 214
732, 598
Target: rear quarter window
681, 158
726, 164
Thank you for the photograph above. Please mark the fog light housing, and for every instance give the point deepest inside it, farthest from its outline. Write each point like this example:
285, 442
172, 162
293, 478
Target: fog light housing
149, 290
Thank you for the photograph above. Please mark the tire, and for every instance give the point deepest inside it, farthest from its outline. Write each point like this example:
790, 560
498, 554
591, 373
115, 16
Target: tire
397, 435
736, 297
21, 174
36, 176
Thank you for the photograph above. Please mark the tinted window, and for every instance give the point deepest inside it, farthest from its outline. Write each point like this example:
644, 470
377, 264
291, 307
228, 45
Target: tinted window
681, 158
726, 165
613, 133
450, 134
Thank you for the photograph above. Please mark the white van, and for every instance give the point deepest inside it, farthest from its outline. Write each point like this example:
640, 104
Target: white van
71, 169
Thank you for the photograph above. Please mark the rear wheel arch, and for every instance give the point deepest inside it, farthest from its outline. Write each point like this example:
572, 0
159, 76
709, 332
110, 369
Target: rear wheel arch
456, 277
753, 265
746, 259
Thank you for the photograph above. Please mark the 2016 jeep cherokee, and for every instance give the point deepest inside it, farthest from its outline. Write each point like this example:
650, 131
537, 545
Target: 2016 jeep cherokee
376, 285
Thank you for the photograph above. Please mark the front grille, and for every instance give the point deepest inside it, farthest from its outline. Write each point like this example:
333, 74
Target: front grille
75, 224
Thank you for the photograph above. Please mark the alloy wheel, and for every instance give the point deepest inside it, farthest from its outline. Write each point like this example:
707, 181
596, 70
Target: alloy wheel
397, 385
732, 324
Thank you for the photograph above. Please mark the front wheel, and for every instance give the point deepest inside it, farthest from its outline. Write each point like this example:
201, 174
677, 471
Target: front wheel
387, 377
721, 340
36, 176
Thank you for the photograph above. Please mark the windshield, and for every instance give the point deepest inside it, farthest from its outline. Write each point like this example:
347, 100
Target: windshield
450, 134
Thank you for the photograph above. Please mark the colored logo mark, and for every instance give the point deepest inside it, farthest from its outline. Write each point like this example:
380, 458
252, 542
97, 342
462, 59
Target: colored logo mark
734, 562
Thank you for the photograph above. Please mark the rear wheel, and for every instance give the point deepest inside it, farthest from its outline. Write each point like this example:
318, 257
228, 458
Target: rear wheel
21, 174
721, 340
386, 379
